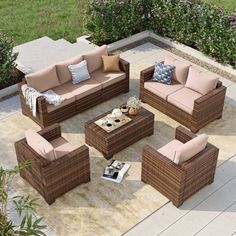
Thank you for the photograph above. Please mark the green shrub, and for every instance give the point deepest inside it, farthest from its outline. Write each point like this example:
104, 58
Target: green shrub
194, 23
7, 58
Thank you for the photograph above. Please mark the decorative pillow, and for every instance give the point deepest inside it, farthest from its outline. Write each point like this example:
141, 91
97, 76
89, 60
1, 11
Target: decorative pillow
200, 81
163, 73
44, 79
190, 148
79, 72
63, 73
181, 69
94, 58
40, 145
111, 63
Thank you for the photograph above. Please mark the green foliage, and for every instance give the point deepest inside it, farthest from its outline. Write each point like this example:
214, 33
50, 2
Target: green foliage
30, 224
7, 58
194, 23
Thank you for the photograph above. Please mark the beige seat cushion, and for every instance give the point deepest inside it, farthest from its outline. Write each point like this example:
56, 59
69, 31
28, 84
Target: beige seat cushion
44, 79
63, 72
190, 148
94, 58
61, 147
107, 78
181, 68
83, 89
162, 90
69, 98
184, 99
169, 149
111, 63
200, 81
40, 145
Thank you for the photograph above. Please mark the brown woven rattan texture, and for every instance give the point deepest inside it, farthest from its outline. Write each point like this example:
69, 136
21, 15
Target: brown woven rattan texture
206, 108
45, 118
142, 125
53, 178
179, 182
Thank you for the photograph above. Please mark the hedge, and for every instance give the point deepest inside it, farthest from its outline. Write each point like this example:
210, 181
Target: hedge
194, 23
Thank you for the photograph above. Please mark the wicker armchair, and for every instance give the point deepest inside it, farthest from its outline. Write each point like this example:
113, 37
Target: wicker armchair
179, 182
53, 178
206, 109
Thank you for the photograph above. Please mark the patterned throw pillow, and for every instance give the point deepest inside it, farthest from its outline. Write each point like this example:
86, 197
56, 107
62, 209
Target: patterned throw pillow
79, 72
163, 73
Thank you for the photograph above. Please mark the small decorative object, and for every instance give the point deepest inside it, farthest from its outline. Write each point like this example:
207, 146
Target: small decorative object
116, 113
124, 108
133, 104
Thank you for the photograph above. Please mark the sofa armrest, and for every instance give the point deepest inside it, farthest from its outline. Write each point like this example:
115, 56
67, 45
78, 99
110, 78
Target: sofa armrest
124, 66
209, 102
151, 157
51, 132
183, 135
146, 74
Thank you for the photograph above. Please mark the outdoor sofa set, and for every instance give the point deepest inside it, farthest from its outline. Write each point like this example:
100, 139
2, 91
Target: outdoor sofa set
177, 170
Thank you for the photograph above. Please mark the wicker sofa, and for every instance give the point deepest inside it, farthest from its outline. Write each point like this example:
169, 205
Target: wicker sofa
179, 182
79, 97
52, 178
189, 107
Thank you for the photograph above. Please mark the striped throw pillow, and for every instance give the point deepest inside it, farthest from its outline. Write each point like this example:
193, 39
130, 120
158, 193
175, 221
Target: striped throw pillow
79, 72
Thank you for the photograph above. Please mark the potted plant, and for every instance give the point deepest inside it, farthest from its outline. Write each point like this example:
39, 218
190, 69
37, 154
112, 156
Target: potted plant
30, 224
133, 104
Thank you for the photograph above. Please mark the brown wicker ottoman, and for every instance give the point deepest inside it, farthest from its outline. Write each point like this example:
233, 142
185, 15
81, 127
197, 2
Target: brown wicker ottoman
108, 144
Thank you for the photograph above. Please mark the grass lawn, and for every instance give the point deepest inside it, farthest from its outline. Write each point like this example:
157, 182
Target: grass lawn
227, 4
25, 20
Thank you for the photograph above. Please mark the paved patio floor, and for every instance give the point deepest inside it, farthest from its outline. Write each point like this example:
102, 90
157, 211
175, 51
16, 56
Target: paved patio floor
211, 211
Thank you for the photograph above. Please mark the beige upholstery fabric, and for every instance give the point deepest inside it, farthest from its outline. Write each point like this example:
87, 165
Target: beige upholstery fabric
39, 144
108, 78
94, 58
169, 149
181, 68
111, 63
83, 89
200, 81
63, 72
162, 90
61, 147
184, 99
44, 79
69, 98
190, 149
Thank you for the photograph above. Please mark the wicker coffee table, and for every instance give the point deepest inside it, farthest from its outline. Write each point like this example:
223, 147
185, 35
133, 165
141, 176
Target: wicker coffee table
109, 143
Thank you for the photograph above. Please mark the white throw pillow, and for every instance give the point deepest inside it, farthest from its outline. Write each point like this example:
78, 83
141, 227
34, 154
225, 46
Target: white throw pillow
79, 72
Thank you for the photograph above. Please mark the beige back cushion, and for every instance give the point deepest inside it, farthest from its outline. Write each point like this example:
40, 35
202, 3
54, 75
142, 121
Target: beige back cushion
190, 149
94, 58
63, 72
44, 79
40, 145
200, 81
181, 69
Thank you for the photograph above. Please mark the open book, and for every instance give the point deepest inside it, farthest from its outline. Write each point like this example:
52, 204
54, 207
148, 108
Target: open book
115, 171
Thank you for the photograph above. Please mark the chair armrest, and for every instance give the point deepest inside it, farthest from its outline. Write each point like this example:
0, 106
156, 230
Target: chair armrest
183, 135
124, 66
51, 132
79, 158
146, 74
152, 157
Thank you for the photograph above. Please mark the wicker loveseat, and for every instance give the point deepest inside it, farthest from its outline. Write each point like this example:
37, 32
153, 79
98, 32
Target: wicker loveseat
79, 97
189, 107
52, 178
179, 181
